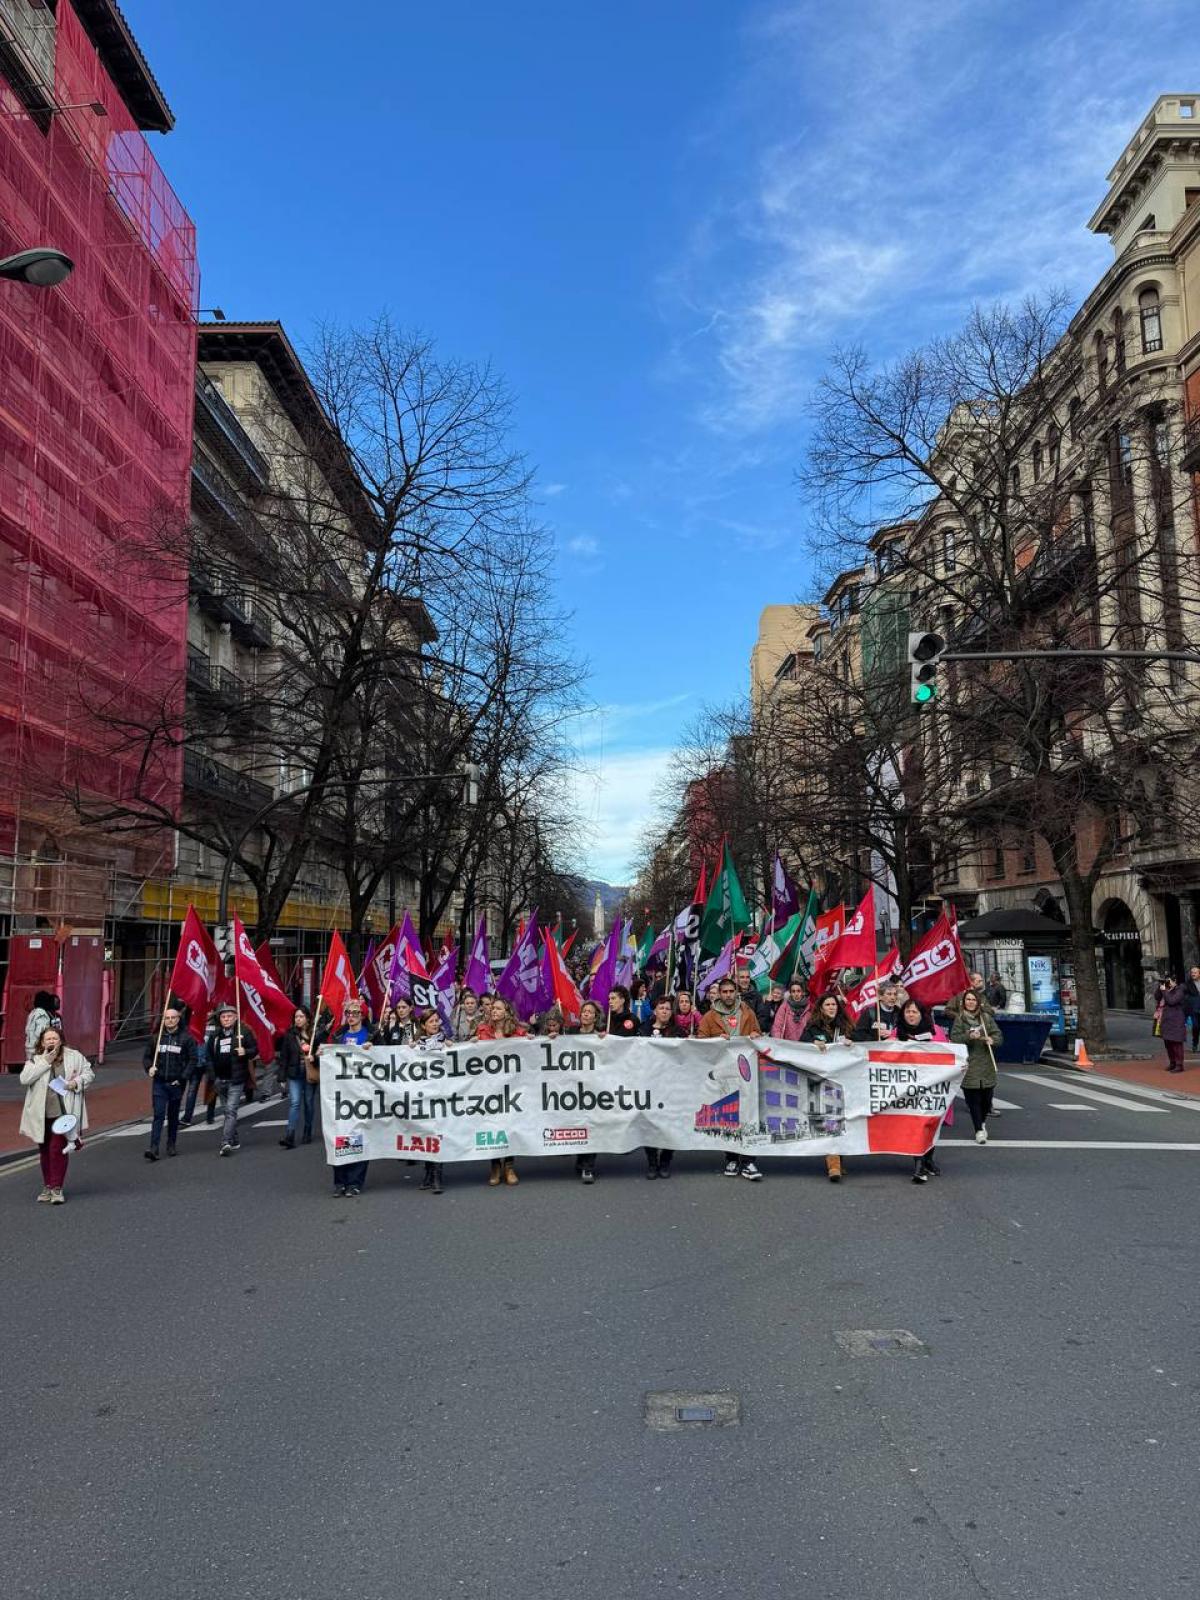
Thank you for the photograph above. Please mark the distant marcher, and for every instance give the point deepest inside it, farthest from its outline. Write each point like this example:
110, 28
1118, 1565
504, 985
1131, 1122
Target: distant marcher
995, 992
431, 1036
349, 1178
975, 1027
915, 1022
792, 1014
467, 1016
44, 1013
829, 1025
231, 1050
293, 1052
170, 1069
730, 1017
687, 1018
1171, 1001
661, 1025
51, 1059
502, 1023
621, 1022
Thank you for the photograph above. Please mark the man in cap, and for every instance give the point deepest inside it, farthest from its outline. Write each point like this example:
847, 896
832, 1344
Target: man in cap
231, 1050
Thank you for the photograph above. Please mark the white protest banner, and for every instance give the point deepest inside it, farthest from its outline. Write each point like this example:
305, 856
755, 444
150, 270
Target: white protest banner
527, 1097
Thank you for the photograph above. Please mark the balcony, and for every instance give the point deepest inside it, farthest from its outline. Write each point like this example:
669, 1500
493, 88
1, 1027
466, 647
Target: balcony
214, 412
251, 622
198, 668
204, 774
218, 490
207, 587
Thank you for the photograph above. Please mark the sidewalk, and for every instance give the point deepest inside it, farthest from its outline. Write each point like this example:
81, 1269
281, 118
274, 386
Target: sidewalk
1152, 1073
121, 1093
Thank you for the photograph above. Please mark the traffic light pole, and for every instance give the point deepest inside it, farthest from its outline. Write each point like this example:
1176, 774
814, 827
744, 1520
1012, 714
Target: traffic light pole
1069, 655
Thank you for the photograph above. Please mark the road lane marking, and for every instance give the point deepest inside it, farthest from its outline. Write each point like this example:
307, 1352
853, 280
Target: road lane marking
1062, 1105
1067, 1144
997, 1104
1095, 1094
1165, 1097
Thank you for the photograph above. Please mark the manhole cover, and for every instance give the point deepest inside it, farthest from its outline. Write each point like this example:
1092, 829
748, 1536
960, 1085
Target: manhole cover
880, 1342
675, 1410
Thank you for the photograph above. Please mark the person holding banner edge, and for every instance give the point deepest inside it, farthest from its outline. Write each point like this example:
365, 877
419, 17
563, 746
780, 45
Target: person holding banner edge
730, 1016
661, 1025
827, 1026
169, 1063
350, 1178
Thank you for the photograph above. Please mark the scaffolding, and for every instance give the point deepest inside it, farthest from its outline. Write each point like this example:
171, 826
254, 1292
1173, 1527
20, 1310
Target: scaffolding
96, 395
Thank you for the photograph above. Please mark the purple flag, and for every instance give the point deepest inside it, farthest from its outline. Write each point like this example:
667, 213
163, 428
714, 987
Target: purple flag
443, 982
605, 974
406, 958
721, 968
523, 980
479, 966
366, 967
785, 895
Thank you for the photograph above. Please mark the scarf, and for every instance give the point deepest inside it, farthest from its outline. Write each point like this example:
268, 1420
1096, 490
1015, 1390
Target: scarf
730, 1011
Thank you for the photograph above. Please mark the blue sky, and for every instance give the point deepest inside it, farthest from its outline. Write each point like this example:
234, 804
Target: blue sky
655, 217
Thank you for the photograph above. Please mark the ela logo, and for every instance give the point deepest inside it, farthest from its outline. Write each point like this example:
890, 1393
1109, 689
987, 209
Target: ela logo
491, 1141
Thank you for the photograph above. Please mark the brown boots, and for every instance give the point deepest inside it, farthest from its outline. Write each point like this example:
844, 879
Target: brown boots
502, 1172
833, 1168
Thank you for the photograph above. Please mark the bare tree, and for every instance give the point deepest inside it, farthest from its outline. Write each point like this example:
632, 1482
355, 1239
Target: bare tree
1044, 504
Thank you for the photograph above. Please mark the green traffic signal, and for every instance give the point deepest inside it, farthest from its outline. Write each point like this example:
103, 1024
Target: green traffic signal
924, 693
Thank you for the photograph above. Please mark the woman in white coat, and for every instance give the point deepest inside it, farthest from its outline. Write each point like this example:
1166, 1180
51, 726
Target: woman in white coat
52, 1059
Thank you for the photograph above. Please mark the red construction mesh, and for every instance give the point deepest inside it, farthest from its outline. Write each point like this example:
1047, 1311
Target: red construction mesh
96, 396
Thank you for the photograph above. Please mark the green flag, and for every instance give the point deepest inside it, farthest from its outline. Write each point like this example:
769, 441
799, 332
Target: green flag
805, 943
771, 957
642, 954
725, 910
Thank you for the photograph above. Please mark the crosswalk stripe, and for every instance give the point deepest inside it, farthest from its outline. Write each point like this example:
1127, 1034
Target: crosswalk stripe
997, 1103
1062, 1105
1164, 1097
1067, 1144
1094, 1094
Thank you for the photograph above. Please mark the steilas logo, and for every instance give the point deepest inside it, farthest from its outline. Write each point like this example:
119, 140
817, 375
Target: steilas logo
349, 1144
419, 1144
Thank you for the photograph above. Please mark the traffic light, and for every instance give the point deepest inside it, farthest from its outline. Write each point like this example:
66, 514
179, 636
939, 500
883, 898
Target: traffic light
925, 652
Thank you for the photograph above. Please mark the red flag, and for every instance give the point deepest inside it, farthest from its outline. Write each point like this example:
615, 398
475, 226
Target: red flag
828, 931
265, 1009
856, 945
561, 985
337, 981
864, 995
267, 962
936, 969
196, 972
566, 949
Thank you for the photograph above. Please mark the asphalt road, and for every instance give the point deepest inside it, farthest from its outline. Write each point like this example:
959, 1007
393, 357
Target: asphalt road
217, 1379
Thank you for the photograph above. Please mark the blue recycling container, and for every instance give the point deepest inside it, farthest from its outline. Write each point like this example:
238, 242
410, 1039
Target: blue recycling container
1023, 1035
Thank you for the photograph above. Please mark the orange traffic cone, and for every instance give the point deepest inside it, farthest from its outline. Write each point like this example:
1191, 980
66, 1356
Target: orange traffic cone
1082, 1060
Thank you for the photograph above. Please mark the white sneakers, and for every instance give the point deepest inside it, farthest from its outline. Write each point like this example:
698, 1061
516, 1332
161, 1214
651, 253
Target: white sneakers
981, 1136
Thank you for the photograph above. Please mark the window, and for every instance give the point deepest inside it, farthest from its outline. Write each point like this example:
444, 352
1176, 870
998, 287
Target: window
1190, 196
1054, 446
1101, 364
1014, 480
995, 859
1148, 310
949, 551
1187, 109
1119, 338
1029, 853
1073, 411
1125, 453
1037, 461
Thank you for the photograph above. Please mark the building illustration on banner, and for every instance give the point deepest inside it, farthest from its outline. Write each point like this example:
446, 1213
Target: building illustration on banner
792, 1102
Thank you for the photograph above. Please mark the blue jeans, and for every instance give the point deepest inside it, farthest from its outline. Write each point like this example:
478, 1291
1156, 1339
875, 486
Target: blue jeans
352, 1176
233, 1100
301, 1094
166, 1098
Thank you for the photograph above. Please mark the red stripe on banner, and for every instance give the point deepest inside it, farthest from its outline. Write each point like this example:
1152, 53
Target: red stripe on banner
896, 1133
919, 1058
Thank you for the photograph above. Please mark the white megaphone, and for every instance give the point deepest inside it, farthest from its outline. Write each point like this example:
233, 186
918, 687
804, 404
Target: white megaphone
67, 1123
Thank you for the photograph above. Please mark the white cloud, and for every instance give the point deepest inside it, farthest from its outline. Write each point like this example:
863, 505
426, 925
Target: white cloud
615, 797
891, 164
551, 490
617, 726
582, 545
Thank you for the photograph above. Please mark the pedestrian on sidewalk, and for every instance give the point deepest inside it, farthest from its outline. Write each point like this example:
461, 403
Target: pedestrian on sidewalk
1192, 990
52, 1059
170, 1067
232, 1050
293, 1051
975, 1027
1171, 1001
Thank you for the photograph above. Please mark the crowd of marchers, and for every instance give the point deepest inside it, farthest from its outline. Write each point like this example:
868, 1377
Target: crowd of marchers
221, 1073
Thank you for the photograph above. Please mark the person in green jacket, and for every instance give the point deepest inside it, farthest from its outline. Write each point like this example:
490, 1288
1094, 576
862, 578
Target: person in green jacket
975, 1027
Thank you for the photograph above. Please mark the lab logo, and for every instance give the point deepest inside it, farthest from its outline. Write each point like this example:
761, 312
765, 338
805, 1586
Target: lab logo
487, 1140
349, 1144
419, 1144
564, 1135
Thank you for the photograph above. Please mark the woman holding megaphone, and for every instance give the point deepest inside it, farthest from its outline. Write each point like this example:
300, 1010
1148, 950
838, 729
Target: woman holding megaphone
54, 1079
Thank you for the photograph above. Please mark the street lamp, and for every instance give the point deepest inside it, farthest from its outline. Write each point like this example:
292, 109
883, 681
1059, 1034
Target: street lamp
41, 267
